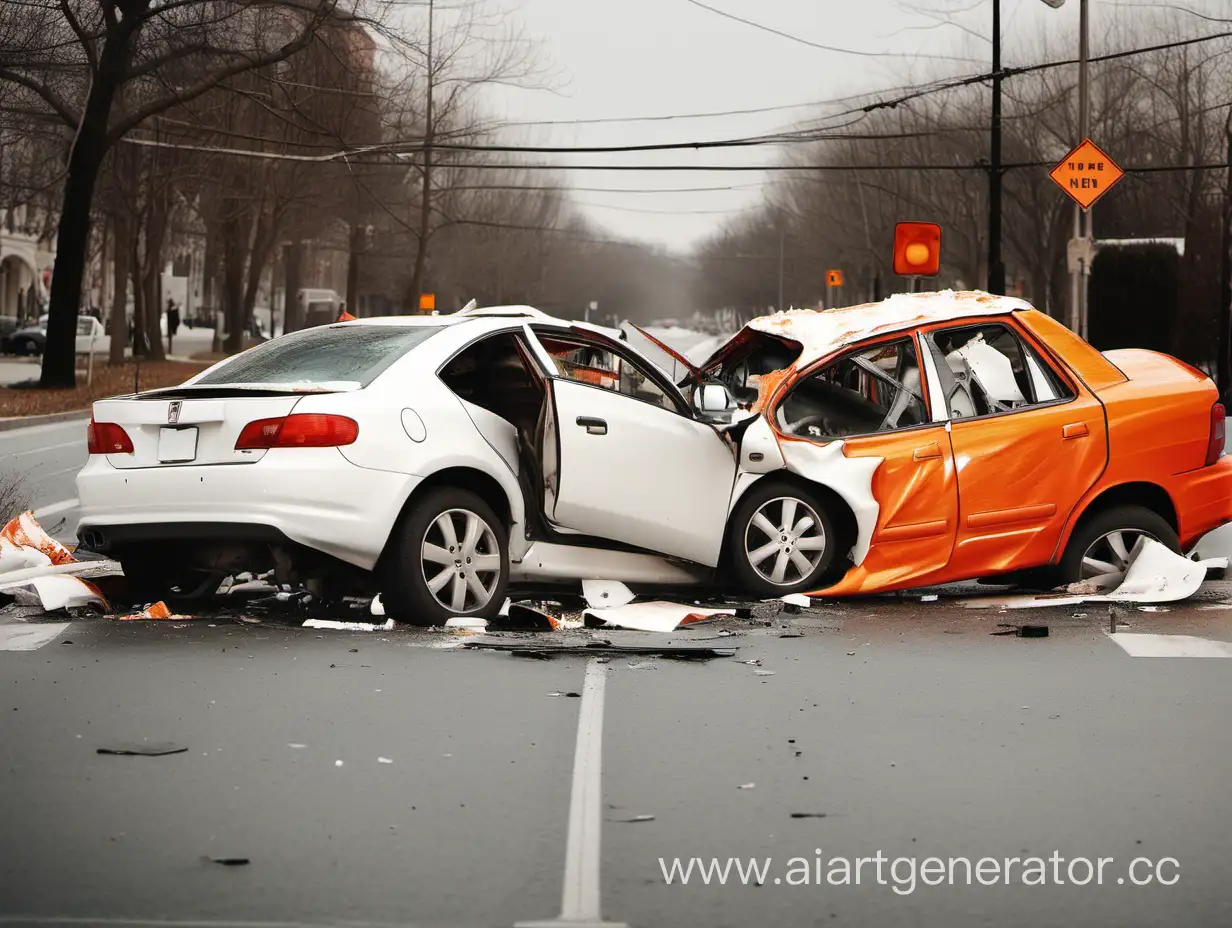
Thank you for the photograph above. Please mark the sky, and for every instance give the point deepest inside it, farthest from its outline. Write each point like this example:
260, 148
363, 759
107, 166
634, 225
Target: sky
613, 59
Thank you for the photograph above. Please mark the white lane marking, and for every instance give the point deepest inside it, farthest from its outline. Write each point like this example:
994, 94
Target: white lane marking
52, 509
44, 448
60, 473
26, 636
25, 430
580, 900
1143, 645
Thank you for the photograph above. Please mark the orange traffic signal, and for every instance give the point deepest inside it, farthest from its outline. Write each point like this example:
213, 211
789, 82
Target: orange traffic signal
917, 249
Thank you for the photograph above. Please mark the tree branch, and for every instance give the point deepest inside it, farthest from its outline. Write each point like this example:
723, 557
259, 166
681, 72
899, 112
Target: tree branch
61, 109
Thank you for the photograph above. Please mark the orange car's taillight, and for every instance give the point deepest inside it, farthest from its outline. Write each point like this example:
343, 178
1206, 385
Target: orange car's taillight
1214, 447
303, 430
107, 438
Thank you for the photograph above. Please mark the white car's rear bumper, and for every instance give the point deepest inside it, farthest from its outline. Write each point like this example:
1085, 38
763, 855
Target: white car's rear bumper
312, 496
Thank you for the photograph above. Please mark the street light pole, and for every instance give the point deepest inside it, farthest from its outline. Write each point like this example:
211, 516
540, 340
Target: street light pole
782, 240
1083, 226
996, 270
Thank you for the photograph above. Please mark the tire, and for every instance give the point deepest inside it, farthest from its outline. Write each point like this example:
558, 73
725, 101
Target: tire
1095, 539
418, 554
26, 346
784, 566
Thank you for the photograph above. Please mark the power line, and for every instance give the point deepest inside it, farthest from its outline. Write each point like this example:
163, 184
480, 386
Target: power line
824, 48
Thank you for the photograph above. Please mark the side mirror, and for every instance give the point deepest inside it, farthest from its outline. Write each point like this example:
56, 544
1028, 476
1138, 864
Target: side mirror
712, 398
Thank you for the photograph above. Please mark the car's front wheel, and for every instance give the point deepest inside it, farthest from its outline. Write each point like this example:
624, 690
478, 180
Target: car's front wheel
1099, 550
26, 346
450, 559
781, 540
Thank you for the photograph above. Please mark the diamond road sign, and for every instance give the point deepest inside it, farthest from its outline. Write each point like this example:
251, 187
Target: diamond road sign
1086, 174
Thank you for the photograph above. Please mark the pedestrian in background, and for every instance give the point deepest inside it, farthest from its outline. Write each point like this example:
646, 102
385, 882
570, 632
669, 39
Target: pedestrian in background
173, 322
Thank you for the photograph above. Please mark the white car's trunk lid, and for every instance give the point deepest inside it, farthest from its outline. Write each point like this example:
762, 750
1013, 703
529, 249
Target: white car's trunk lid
175, 431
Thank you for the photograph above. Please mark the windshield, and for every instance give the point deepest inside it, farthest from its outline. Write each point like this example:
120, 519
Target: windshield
352, 354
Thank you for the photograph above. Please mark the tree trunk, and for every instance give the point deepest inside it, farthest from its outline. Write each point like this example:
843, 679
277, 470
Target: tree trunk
234, 242
140, 349
262, 245
293, 260
352, 284
152, 274
73, 235
120, 245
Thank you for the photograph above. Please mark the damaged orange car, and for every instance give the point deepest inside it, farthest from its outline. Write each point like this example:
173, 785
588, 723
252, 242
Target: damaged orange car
947, 436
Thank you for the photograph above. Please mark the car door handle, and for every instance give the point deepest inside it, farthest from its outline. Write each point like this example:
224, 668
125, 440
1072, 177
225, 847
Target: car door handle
1075, 430
928, 452
592, 425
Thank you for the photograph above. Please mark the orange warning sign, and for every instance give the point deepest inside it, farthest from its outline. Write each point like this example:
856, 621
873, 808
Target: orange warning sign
1086, 174
834, 278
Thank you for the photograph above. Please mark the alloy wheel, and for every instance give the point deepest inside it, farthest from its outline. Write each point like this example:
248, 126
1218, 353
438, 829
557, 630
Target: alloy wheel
460, 560
784, 540
1107, 558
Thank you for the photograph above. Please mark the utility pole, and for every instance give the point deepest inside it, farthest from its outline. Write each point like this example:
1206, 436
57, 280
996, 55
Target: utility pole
1080, 274
996, 270
782, 241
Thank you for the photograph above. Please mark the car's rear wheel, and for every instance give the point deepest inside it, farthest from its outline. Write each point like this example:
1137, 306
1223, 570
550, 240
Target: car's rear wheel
1100, 549
781, 540
450, 559
26, 346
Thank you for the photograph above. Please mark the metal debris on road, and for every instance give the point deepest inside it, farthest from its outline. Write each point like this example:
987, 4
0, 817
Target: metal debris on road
651, 616
676, 652
154, 612
632, 820
388, 625
519, 617
809, 814
229, 861
747, 786
604, 594
154, 749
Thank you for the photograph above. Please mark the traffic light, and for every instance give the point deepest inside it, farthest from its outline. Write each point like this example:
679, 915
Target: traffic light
917, 249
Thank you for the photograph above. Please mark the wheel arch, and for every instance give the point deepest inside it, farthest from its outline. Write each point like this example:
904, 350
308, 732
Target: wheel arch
482, 484
1132, 493
844, 517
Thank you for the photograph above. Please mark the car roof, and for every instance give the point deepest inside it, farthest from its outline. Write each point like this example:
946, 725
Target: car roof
821, 332
490, 317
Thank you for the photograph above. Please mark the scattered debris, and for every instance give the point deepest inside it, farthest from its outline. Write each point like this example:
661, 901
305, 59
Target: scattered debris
1156, 574
25, 532
929, 598
154, 749
763, 673
229, 861
636, 818
809, 814
574, 695
606, 594
384, 760
747, 786
388, 625
545, 652
651, 617
851, 653
466, 626
756, 662
377, 607
153, 612
337, 763
63, 592
796, 599
516, 617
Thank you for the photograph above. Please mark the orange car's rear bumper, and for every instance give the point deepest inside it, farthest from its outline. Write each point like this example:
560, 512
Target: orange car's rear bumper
1203, 500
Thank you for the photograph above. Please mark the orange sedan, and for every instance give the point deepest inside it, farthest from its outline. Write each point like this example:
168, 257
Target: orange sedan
949, 436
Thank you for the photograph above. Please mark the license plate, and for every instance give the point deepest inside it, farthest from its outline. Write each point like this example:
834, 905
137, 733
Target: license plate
177, 446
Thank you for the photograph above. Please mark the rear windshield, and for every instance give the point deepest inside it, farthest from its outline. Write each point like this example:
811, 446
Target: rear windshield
348, 353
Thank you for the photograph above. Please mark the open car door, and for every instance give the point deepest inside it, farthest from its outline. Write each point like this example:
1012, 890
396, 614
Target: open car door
620, 465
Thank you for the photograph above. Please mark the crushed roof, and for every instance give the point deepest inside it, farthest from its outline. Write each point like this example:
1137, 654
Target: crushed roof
821, 332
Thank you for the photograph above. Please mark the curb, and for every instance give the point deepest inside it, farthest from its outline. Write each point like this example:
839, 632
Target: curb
22, 422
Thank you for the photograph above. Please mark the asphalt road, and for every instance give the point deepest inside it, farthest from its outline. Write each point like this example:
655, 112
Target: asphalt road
935, 738
47, 459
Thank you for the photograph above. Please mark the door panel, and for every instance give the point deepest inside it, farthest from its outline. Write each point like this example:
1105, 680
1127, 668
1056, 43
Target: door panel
917, 496
1019, 477
635, 472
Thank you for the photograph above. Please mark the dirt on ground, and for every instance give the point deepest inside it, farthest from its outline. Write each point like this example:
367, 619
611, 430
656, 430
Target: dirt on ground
108, 380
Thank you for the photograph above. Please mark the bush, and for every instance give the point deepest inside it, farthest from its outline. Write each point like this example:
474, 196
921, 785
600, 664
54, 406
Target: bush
13, 497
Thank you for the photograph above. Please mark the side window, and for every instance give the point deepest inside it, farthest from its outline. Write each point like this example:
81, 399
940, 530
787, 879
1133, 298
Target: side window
599, 366
988, 369
875, 389
492, 373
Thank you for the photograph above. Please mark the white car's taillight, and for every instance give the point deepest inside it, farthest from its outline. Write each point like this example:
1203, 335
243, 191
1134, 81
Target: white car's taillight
107, 438
301, 430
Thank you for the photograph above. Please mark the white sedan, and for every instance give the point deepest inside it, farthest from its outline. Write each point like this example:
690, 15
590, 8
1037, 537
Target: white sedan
416, 455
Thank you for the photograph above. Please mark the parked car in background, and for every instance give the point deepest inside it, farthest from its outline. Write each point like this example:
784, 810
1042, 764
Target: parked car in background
32, 340
928, 438
8, 325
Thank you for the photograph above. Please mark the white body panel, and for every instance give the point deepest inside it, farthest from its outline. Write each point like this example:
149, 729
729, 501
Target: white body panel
654, 478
